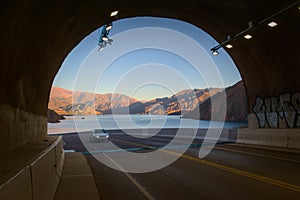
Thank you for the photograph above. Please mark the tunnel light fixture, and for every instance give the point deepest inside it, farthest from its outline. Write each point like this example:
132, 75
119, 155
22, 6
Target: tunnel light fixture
114, 13
272, 24
251, 27
228, 46
247, 36
108, 27
103, 36
215, 53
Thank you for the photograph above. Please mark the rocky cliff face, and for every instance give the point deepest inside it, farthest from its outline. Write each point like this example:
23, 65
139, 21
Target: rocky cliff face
185, 100
186, 103
235, 105
53, 117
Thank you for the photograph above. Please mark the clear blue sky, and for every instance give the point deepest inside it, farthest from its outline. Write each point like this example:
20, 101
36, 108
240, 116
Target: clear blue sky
149, 58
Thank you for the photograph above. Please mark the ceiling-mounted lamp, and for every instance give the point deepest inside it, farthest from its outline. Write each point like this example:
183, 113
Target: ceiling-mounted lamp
114, 13
215, 52
247, 36
272, 24
229, 46
104, 38
252, 27
108, 26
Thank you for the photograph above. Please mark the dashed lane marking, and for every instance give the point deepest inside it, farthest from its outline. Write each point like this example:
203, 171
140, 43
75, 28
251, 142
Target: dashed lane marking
131, 179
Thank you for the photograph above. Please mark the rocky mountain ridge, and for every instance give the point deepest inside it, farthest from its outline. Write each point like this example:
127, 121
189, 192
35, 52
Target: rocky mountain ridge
235, 105
53, 117
186, 103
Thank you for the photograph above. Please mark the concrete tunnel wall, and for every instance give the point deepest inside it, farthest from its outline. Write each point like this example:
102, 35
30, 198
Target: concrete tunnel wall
36, 36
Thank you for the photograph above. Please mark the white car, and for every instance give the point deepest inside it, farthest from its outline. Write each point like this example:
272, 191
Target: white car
99, 135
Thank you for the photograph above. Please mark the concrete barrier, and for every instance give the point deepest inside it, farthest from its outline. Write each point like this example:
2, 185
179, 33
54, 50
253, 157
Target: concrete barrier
44, 176
59, 157
221, 135
18, 186
36, 179
279, 137
285, 138
294, 138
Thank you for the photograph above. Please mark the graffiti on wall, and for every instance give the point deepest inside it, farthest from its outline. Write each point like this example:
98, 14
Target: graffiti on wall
273, 109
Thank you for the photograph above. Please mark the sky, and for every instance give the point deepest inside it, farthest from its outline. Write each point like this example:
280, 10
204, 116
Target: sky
149, 58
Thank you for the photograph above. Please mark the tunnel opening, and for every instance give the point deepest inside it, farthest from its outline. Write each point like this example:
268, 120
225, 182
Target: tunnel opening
147, 52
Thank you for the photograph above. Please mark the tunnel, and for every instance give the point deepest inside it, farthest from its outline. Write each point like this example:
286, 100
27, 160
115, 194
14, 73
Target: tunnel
36, 36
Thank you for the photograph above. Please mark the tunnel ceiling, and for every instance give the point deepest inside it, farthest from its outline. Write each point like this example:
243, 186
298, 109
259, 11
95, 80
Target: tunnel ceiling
37, 35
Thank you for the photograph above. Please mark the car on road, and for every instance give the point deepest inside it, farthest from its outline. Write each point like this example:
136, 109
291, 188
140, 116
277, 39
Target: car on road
99, 135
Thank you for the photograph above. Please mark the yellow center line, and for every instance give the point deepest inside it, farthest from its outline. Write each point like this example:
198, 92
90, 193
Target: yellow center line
249, 153
257, 154
226, 168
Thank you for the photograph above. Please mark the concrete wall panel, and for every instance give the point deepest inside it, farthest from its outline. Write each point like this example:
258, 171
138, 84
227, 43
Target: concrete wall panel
267, 137
59, 158
19, 127
294, 138
44, 176
37, 179
18, 187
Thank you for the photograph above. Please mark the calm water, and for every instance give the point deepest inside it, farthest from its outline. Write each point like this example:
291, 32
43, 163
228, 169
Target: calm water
113, 122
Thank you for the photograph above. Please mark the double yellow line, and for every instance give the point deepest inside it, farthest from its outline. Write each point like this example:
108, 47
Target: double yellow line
226, 168
243, 173
248, 153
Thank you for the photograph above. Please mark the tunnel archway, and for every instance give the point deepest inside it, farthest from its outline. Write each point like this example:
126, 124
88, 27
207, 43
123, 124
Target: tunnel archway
39, 35
157, 43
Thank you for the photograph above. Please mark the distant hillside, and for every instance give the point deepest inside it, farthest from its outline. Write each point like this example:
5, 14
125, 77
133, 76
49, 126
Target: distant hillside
185, 100
186, 103
66, 102
53, 117
236, 102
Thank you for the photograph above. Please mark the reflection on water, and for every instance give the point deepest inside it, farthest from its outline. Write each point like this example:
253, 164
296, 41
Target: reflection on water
113, 122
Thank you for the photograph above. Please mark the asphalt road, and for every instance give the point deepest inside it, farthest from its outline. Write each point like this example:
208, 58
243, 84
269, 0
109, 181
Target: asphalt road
227, 172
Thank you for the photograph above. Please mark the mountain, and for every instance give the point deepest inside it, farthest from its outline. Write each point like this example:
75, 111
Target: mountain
186, 103
53, 117
66, 102
182, 101
236, 102
185, 100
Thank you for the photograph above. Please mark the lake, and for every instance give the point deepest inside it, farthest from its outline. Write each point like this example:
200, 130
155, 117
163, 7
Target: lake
114, 122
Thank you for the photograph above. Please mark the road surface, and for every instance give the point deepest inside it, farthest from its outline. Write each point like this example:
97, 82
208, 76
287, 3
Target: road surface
228, 172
